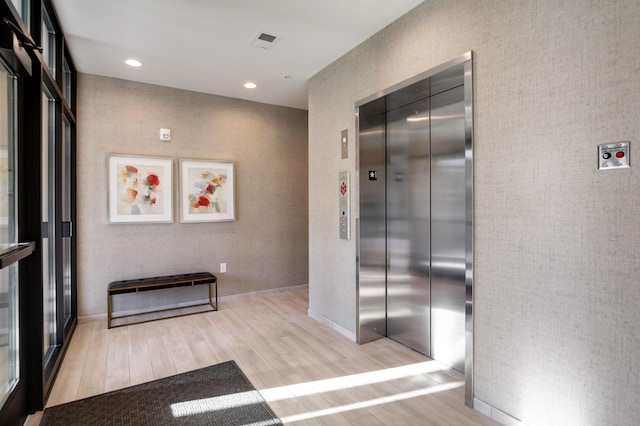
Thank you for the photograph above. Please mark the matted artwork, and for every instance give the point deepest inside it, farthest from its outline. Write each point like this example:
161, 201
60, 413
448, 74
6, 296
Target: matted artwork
206, 191
140, 189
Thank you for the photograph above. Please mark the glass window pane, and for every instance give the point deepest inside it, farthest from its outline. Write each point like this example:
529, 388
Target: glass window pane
7, 152
66, 82
48, 218
9, 343
22, 6
18, 5
66, 217
48, 42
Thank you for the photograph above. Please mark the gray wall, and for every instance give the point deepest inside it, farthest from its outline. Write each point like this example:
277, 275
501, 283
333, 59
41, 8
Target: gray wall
557, 242
265, 248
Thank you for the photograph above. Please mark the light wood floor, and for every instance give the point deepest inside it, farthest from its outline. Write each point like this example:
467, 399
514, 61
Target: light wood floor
308, 373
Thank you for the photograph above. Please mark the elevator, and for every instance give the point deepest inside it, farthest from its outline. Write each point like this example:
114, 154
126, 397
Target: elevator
414, 226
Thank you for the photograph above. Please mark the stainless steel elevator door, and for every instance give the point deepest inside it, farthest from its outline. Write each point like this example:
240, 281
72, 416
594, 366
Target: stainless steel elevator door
372, 229
414, 229
448, 228
408, 225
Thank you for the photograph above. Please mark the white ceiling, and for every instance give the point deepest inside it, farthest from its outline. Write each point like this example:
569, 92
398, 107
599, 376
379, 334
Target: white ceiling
204, 45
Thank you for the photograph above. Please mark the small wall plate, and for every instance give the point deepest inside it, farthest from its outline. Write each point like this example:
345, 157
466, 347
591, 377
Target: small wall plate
165, 135
613, 155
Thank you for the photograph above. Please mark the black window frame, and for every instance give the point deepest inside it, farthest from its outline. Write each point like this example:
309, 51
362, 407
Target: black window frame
37, 381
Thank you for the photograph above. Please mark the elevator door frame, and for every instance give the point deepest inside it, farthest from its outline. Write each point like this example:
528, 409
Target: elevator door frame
366, 330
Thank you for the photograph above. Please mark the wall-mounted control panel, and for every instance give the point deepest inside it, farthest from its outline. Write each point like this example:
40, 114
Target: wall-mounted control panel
343, 205
613, 155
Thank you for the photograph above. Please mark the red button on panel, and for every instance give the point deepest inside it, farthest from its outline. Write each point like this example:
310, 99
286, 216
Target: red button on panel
619, 154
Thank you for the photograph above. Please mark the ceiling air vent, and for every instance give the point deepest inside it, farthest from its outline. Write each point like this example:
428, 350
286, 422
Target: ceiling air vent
264, 41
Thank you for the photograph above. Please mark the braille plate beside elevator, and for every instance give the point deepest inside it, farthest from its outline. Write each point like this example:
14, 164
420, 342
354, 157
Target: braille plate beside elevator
613, 155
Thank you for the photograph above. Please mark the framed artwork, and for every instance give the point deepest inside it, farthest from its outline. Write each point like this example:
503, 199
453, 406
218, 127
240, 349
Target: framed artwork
206, 191
140, 189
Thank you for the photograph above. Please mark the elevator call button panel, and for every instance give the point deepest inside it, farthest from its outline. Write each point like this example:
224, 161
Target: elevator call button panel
613, 155
343, 205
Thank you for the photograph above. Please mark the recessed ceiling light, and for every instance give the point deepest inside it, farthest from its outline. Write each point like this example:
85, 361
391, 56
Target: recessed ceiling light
250, 85
133, 63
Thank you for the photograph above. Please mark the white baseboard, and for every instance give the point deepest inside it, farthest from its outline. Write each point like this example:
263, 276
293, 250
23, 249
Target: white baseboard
262, 292
92, 318
335, 326
495, 414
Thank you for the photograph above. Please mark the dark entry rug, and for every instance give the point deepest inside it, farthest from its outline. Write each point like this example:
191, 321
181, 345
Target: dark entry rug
216, 395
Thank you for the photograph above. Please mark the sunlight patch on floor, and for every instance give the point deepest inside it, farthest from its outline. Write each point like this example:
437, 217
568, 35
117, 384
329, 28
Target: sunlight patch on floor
351, 381
218, 403
225, 402
371, 402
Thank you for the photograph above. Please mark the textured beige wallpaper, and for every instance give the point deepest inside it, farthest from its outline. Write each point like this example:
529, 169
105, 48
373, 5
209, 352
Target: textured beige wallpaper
557, 242
265, 248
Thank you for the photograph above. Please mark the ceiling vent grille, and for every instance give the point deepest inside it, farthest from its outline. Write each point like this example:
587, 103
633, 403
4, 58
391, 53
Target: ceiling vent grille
264, 41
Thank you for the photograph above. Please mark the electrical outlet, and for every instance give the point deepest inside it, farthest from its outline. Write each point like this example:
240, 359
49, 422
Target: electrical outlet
223, 268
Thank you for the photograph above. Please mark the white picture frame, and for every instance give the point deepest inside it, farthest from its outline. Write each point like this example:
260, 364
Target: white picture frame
207, 191
140, 189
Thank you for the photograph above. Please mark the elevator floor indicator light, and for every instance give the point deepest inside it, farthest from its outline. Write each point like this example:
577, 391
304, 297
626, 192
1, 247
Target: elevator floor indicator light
613, 155
373, 175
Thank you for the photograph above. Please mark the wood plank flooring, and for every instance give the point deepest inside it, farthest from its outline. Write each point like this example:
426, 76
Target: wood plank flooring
308, 373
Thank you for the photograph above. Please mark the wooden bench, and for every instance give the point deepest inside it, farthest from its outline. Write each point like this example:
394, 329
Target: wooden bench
157, 283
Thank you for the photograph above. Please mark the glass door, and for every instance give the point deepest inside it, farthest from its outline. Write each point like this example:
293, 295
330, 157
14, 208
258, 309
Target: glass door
51, 342
68, 313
